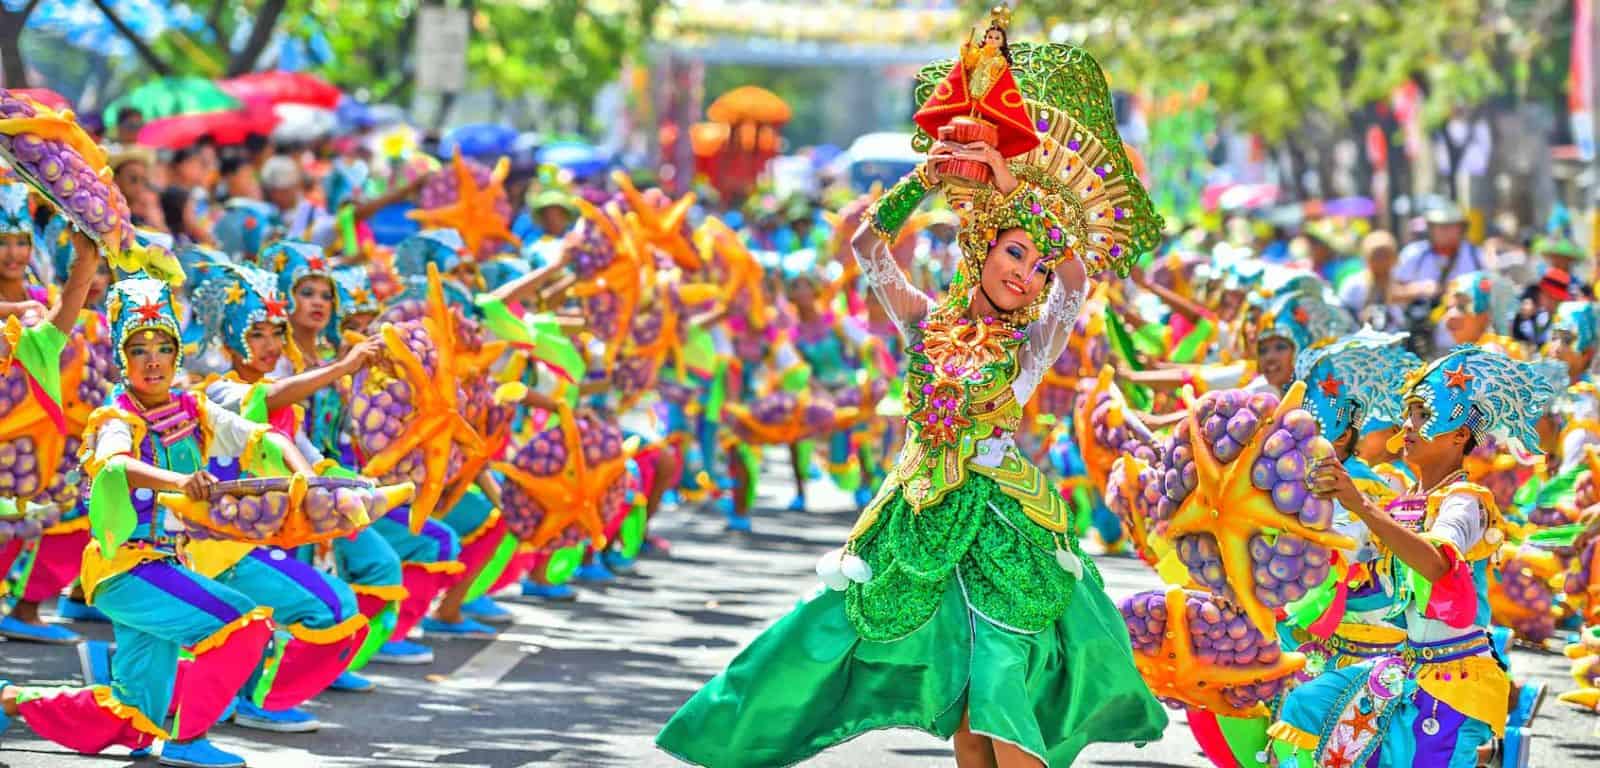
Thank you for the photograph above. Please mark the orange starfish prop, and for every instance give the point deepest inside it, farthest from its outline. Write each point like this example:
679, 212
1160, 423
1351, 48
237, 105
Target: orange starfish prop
1097, 459
661, 229
1174, 672
758, 432
472, 214
1249, 511
437, 425
621, 277
574, 496
719, 244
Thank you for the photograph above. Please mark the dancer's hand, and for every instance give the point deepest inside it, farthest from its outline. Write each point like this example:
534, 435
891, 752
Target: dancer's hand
362, 353
198, 485
1328, 479
978, 152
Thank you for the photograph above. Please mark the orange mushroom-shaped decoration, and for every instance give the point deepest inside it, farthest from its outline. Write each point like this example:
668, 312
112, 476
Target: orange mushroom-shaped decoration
749, 104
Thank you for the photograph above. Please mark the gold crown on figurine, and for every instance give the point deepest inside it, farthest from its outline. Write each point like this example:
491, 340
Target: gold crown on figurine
1000, 16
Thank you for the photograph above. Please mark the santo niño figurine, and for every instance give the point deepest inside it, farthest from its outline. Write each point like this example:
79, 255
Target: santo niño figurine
979, 101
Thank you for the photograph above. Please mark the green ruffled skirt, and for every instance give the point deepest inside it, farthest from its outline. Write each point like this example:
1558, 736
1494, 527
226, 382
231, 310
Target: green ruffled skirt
966, 638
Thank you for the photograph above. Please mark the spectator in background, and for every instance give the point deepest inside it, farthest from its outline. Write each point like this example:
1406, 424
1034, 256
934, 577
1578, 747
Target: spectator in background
181, 206
129, 121
238, 178
1532, 324
1562, 257
1428, 265
284, 186
1368, 293
130, 169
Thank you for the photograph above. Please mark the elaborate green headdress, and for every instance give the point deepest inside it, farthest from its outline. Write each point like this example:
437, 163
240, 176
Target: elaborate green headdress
1078, 192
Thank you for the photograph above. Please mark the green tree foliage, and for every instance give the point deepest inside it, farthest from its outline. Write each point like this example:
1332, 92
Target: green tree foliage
1271, 66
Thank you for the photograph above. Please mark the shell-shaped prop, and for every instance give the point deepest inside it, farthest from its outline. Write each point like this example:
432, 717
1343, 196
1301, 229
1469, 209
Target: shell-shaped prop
1193, 649
286, 511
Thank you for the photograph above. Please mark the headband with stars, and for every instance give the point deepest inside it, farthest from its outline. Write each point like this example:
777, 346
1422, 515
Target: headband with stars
1490, 394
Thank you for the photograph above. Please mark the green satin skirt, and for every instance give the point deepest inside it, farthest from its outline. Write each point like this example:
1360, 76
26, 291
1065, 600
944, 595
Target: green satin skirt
810, 682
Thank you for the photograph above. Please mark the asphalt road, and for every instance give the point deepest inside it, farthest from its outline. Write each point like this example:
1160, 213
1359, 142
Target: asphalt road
588, 683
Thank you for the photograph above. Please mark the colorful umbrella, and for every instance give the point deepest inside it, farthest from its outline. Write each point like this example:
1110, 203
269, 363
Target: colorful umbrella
482, 141
171, 96
299, 123
283, 88
576, 156
230, 127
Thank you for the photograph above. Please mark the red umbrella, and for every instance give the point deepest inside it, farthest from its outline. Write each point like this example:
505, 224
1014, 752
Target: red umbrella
231, 127
44, 96
282, 88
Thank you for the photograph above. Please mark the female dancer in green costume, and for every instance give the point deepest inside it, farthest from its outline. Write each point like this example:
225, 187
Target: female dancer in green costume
962, 605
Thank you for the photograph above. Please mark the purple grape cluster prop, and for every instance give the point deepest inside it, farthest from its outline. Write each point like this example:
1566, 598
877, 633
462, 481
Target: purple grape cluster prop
56, 157
1521, 598
601, 440
250, 509
20, 473
1250, 532
590, 249
1227, 666
1132, 490
600, 313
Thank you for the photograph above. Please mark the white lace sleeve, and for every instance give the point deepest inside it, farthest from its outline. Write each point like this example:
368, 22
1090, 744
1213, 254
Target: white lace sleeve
1047, 337
905, 304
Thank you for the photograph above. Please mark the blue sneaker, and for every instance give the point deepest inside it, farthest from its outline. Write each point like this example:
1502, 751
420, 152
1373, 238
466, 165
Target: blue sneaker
555, 593
1530, 697
227, 714
466, 628
1500, 637
248, 715
486, 610
797, 504
403, 652
670, 498
94, 658
863, 497
1516, 748
350, 682
140, 753
74, 610
13, 628
616, 562
198, 754
736, 523
593, 571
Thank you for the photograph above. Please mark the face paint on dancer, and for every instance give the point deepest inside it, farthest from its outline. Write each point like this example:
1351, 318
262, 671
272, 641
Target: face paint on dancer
313, 304
152, 361
265, 341
1015, 272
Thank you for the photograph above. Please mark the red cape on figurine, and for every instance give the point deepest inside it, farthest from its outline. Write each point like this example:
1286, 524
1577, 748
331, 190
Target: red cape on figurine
1002, 106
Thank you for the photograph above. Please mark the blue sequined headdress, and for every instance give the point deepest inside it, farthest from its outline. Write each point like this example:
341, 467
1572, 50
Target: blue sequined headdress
230, 298
140, 303
1489, 293
439, 247
14, 214
1579, 321
1351, 382
1303, 318
1490, 394
246, 227
354, 286
294, 261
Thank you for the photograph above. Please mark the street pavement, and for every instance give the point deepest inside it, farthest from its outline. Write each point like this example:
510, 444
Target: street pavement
589, 683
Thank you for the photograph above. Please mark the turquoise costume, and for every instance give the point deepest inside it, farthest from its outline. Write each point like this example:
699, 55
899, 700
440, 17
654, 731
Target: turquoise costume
1443, 693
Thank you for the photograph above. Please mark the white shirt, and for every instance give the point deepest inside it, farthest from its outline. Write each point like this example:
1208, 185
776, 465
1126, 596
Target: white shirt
1461, 521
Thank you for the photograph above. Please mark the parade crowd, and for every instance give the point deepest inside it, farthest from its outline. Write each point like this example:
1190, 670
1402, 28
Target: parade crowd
270, 450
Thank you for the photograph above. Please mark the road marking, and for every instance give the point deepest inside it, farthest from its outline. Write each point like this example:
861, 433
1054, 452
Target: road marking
488, 666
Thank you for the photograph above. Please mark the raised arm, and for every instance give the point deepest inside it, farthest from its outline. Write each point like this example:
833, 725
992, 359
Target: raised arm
301, 386
85, 262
